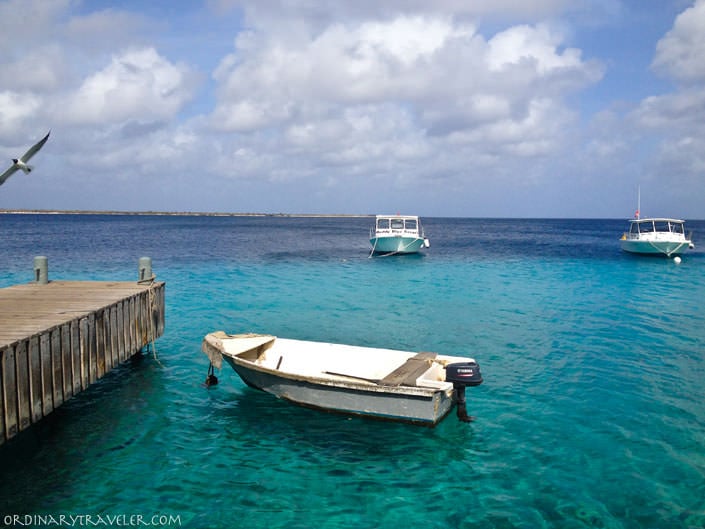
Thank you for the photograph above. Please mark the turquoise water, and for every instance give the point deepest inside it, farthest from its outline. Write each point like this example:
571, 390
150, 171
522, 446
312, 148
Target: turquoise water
592, 413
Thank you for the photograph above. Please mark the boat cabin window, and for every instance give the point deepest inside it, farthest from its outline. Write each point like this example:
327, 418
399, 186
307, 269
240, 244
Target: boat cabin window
662, 226
642, 227
398, 224
677, 227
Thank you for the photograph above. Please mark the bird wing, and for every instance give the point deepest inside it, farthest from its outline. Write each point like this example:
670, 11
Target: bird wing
33, 150
7, 174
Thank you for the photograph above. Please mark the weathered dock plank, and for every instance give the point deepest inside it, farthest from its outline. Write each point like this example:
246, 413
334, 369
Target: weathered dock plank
59, 337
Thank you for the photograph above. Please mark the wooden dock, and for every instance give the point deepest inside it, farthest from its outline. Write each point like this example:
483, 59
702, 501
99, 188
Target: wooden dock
58, 338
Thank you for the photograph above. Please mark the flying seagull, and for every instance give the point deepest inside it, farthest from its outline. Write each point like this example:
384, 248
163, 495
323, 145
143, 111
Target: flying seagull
21, 163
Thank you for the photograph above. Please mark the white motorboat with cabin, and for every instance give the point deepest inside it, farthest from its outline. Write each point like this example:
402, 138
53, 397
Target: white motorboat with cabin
397, 234
656, 236
418, 388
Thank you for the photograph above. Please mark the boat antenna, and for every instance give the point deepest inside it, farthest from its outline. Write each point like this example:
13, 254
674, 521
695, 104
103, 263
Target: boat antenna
638, 201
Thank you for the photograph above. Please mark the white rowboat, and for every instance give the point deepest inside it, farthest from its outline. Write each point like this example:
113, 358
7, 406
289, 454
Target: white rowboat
419, 388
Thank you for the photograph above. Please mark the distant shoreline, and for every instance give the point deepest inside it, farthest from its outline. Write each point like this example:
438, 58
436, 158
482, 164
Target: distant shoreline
173, 213
279, 215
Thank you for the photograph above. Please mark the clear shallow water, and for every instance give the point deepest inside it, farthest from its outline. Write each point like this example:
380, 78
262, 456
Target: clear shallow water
592, 413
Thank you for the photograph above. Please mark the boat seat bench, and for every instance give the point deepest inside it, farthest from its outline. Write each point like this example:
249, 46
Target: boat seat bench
407, 373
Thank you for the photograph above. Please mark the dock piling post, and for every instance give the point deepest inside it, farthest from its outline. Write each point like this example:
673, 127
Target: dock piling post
145, 269
41, 270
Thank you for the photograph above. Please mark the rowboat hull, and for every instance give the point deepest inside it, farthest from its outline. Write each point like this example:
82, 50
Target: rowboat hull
423, 408
371, 382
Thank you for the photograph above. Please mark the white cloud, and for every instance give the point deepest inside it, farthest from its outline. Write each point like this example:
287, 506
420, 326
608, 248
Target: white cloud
40, 70
405, 39
537, 133
681, 52
137, 84
526, 43
677, 121
26, 22
15, 109
31, 58
443, 77
667, 131
679, 111
679, 55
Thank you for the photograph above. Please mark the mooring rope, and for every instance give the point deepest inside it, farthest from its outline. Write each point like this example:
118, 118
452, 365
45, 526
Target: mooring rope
373, 247
390, 253
667, 253
152, 305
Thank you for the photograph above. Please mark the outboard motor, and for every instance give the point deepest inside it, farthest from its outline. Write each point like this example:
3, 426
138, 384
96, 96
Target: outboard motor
463, 374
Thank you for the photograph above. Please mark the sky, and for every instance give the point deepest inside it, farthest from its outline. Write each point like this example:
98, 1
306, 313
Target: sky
450, 108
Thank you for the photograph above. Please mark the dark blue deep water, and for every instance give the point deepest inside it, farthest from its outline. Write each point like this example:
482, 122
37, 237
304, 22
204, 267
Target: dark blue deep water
592, 414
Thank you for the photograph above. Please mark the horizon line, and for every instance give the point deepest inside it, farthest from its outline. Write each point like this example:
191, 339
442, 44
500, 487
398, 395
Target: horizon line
30, 211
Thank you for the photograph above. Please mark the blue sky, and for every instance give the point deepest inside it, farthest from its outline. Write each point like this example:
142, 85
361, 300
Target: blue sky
490, 108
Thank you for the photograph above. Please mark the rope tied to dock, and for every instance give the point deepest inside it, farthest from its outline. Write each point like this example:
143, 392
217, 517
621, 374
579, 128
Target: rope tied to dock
152, 305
